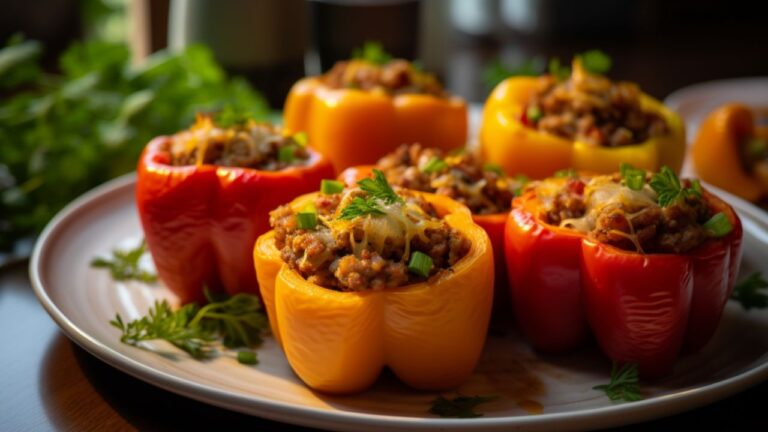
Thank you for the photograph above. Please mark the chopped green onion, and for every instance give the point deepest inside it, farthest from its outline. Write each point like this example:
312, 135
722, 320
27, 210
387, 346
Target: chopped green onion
300, 138
420, 264
331, 187
307, 218
533, 113
494, 168
285, 154
718, 225
563, 173
634, 178
434, 165
247, 357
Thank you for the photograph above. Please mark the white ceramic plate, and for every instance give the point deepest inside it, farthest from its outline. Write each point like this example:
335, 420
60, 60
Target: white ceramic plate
82, 300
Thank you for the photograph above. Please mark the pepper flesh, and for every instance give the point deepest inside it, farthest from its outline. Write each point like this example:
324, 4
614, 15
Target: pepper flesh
641, 308
430, 334
355, 127
200, 221
716, 151
519, 149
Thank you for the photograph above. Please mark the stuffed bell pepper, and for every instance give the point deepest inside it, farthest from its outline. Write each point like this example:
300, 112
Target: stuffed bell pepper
484, 189
360, 110
731, 152
204, 196
644, 262
539, 125
356, 279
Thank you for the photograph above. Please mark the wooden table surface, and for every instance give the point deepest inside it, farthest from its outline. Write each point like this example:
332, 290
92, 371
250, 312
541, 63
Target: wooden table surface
49, 383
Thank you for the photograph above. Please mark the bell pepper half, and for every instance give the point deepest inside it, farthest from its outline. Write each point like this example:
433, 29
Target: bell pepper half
718, 151
430, 334
493, 224
201, 221
505, 140
641, 308
355, 127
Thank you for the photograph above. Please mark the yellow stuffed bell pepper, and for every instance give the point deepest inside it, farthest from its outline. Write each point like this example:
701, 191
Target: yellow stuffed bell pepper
360, 111
430, 333
512, 136
731, 152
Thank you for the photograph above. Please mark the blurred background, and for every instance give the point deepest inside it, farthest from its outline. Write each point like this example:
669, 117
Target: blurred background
85, 83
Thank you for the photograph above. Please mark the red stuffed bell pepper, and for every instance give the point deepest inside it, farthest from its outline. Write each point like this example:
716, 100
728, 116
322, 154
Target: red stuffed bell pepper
204, 196
647, 268
484, 189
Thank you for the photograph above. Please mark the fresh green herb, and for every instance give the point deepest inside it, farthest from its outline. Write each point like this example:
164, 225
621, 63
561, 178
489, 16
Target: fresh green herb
750, 292
124, 264
522, 180
300, 138
533, 113
331, 187
361, 207
307, 218
624, 383
286, 153
73, 131
459, 407
634, 178
718, 225
566, 173
231, 117
596, 61
372, 52
668, 187
378, 187
434, 165
494, 168
420, 264
558, 71
497, 71
247, 357
236, 320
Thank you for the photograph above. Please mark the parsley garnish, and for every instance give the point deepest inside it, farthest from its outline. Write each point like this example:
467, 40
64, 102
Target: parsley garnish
668, 187
560, 72
749, 292
378, 190
237, 321
624, 383
124, 264
372, 52
231, 117
497, 71
458, 407
595, 61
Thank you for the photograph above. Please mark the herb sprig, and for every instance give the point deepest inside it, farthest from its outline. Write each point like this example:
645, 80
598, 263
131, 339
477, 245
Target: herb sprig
669, 189
624, 383
594, 61
750, 292
372, 52
125, 264
458, 407
237, 321
379, 191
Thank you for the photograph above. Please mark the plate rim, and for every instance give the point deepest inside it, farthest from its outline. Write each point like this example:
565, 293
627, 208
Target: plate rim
622, 413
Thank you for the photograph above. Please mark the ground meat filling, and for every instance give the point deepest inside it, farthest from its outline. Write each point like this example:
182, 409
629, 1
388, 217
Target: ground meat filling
639, 225
396, 77
249, 144
592, 109
460, 177
342, 256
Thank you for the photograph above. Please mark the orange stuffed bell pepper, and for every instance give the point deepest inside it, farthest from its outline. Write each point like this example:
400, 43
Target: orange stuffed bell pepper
537, 126
731, 152
360, 110
356, 279
204, 195
646, 267
484, 189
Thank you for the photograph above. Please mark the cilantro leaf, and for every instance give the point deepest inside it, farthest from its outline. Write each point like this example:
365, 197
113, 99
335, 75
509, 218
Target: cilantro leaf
458, 407
124, 264
595, 61
624, 383
360, 207
750, 292
372, 52
667, 186
378, 187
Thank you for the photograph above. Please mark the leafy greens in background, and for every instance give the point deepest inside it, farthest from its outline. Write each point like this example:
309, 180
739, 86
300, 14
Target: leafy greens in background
62, 134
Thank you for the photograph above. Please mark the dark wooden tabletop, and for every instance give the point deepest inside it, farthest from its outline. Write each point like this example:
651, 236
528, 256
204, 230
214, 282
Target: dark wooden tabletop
48, 382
